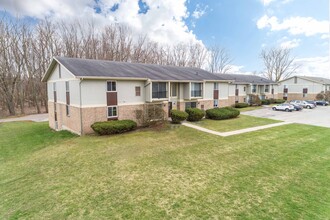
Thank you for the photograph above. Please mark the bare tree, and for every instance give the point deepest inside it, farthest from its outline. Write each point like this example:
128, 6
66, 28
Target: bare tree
219, 60
279, 64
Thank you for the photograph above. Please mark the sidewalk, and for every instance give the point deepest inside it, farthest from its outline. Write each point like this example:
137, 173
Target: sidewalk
229, 133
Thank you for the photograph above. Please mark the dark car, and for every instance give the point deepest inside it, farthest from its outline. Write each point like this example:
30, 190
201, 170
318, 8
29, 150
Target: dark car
322, 102
297, 107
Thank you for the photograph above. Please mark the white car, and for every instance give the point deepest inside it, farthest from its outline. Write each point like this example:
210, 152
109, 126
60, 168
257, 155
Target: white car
284, 107
303, 104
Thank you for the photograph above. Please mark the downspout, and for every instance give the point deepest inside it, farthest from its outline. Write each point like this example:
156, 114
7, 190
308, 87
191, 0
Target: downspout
81, 122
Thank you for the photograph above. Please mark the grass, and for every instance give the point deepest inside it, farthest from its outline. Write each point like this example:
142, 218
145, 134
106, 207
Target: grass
243, 121
175, 172
250, 108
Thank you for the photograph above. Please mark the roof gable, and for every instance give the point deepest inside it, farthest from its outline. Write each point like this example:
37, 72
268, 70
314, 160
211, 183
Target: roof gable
246, 79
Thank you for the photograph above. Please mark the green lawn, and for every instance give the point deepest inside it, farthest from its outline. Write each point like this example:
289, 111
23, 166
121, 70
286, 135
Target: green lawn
175, 172
243, 121
250, 108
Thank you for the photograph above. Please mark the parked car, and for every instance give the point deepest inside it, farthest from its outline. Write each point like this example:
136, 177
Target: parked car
322, 102
311, 102
284, 107
303, 104
297, 107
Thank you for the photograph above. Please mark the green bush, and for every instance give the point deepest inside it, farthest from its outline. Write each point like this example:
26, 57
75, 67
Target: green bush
178, 116
241, 105
222, 113
195, 114
265, 102
113, 127
279, 101
271, 101
254, 100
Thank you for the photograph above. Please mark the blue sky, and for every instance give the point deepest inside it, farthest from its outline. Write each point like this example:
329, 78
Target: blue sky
243, 27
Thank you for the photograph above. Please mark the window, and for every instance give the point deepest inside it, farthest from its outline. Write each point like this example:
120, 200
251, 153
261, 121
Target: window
196, 89
267, 88
67, 94
54, 92
174, 89
112, 111
190, 105
216, 86
295, 80
305, 91
244, 100
111, 86
59, 72
137, 91
236, 92
244, 89
254, 88
159, 90
215, 103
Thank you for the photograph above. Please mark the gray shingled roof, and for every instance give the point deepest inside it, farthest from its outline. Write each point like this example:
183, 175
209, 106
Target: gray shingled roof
103, 68
246, 79
318, 79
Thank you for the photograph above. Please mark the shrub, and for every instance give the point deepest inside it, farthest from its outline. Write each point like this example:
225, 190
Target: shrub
222, 113
265, 102
178, 116
255, 100
279, 101
241, 105
113, 127
195, 114
271, 101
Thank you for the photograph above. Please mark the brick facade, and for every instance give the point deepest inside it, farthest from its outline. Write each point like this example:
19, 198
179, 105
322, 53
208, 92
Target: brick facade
297, 96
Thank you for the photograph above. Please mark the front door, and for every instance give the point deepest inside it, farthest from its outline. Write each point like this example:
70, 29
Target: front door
169, 108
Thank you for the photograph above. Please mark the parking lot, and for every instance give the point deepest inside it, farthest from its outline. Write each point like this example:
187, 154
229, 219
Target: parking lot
320, 116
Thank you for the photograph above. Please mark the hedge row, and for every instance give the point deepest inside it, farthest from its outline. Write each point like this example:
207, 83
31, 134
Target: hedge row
222, 113
272, 101
178, 116
241, 105
113, 127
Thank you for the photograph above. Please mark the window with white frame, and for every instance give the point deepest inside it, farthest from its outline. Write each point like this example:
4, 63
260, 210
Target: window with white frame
112, 111
267, 88
111, 86
216, 86
215, 103
159, 90
254, 88
59, 72
196, 89
67, 94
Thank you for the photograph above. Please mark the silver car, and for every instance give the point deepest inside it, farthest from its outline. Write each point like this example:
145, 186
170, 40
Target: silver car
283, 107
303, 104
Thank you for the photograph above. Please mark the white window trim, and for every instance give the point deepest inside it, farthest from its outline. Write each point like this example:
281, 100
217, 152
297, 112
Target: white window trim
116, 106
176, 89
111, 85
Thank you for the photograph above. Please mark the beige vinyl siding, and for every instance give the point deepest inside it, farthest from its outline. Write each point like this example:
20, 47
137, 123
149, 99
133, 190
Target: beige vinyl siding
209, 88
65, 74
223, 90
93, 93
126, 92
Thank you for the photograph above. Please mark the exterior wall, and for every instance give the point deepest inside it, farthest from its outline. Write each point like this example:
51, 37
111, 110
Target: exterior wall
231, 100
223, 103
295, 90
91, 115
126, 92
297, 96
93, 93
207, 104
130, 112
223, 90
208, 90
65, 74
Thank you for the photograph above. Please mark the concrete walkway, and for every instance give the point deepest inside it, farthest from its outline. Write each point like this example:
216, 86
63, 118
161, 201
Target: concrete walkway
229, 133
35, 118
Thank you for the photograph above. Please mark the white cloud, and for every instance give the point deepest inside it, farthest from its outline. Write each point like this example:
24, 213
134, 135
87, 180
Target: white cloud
314, 66
268, 2
163, 22
295, 25
290, 43
199, 11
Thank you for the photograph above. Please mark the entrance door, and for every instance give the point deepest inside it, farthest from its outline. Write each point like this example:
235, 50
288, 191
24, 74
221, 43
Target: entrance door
169, 108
